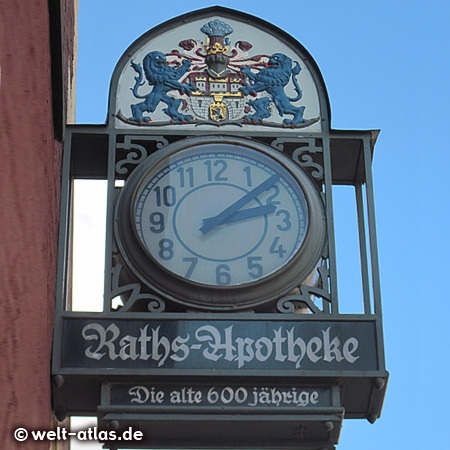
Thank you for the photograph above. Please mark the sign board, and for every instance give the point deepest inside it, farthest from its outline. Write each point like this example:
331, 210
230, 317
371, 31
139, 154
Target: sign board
231, 346
241, 397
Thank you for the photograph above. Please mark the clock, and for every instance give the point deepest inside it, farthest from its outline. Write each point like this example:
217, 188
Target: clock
220, 223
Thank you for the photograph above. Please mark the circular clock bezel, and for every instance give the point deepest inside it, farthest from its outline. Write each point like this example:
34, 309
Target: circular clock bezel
224, 298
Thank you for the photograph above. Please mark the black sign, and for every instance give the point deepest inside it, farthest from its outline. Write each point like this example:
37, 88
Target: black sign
228, 345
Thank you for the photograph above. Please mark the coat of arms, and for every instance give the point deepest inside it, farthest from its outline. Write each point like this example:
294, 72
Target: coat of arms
214, 81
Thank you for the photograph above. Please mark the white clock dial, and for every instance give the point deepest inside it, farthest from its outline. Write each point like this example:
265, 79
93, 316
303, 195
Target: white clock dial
220, 214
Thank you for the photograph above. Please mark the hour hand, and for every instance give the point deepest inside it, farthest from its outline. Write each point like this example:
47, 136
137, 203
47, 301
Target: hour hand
244, 214
212, 222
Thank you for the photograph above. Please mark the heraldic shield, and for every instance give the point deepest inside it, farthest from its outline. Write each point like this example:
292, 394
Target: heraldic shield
218, 70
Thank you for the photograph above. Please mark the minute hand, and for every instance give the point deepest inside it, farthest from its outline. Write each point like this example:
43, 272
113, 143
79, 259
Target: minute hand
212, 222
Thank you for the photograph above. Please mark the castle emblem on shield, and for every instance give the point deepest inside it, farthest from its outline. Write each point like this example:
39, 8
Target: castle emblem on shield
216, 82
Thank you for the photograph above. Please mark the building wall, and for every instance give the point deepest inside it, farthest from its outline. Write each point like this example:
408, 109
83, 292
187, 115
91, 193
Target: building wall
30, 162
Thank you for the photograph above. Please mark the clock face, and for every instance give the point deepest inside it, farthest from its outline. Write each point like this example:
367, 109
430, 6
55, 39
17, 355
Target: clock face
217, 215
220, 215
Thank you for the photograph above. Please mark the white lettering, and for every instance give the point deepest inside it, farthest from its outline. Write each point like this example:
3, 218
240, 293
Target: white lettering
292, 344
214, 340
283, 346
315, 341
266, 396
101, 337
331, 349
143, 340
348, 354
141, 393
156, 344
245, 351
278, 341
276, 396
186, 396
128, 348
259, 346
179, 345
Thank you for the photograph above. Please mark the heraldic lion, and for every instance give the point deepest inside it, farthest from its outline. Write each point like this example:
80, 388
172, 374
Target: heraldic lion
273, 79
164, 78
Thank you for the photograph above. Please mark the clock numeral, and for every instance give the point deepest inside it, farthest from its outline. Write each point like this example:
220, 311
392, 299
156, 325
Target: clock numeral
248, 172
193, 262
157, 221
223, 277
166, 249
276, 191
280, 251
183, 178
287, 223
167, 195
221, 164
255, 269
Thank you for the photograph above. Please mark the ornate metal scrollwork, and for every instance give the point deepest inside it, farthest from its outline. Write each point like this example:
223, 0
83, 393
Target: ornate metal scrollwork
307, 144
301, 302
136, 153
135, 299
302, 154
305, 160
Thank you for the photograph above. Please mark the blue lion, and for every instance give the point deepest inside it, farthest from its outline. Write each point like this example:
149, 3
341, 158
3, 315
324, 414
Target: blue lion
273, 79
163, 78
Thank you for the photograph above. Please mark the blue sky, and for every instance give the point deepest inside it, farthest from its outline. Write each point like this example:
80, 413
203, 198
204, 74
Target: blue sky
386, 65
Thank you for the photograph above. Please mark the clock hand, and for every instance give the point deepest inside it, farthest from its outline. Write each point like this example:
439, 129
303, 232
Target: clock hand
250, 213
212, 222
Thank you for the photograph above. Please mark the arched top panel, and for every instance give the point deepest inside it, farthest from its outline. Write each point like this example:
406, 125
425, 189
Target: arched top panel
218, 69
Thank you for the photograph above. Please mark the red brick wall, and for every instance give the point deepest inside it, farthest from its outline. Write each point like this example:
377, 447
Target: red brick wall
29, 205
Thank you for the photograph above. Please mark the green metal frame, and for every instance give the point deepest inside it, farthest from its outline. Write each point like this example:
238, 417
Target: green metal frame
332, 157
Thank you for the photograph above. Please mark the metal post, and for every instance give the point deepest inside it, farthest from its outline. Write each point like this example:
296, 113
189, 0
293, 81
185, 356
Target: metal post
363, 248
330, 225
372, 226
